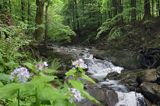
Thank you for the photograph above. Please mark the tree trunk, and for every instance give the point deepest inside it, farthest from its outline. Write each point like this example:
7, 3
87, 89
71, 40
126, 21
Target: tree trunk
158, 7
46, 22
38, 34
73, 16
153, 8
10, 7
77, 15
29, 11
120, 10
23, 10
114, 6
147, 10
117, 9
133, 12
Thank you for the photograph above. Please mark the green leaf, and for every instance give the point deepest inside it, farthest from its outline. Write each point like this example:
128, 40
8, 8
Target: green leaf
42, 79
88, 78
4, 77
9, 91
49, 93
76, 84
1, 68
30, 66
62, 102
27, 89
49, 71
71, 72
1, 84
88, 96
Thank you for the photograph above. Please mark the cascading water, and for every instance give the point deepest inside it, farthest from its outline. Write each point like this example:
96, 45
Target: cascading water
99, 69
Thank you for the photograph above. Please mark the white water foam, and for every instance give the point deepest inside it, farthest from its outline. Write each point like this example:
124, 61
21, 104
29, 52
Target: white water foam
99, 70
130, 99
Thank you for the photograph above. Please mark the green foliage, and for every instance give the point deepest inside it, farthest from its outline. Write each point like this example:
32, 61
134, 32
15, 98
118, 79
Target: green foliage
76, 78
57, 30
11, 41
112, 27
39, 91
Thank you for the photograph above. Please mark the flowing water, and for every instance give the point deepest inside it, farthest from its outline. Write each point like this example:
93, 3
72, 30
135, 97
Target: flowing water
99, 69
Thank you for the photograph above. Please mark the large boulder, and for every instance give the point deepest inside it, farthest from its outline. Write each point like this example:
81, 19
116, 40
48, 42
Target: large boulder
135, 77
105, 96
125, 58
127, 78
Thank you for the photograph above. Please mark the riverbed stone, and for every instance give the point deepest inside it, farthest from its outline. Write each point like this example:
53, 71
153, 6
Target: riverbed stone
151, 91
105, 96
125, 58
150, 75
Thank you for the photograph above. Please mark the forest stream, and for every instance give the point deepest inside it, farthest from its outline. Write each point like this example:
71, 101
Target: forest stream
98, 69
79, 52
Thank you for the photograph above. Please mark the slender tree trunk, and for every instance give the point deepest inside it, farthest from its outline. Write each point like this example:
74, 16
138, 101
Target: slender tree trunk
38, 34
117, 9
120, 10
29, 11
77, 16
158, 7
147, 10
133, 12
153, 8
109, 14
46, 22
83, 9
23, 10
73, 15
10, 6
114, 6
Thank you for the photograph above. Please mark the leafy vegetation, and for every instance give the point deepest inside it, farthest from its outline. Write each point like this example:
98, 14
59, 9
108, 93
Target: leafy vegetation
26, 25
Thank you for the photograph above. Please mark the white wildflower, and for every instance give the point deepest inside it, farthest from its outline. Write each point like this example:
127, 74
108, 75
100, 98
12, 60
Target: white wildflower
79, 63
41, 66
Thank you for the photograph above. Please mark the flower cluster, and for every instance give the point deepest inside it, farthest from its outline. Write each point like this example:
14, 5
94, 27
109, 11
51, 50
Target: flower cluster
21, 74
76, 95
79, 63
41, 66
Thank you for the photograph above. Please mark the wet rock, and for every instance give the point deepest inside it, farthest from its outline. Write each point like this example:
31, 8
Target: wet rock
125, 58
144, 81
86, 103
127, 78
151, 91
113, 76
150, 75
105, 96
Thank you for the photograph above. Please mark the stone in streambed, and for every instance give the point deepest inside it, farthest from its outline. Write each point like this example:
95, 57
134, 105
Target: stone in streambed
151, 91
105, 96
150, 75
124, 58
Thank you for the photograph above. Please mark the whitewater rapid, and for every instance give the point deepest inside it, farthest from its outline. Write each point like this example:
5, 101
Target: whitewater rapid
99, 70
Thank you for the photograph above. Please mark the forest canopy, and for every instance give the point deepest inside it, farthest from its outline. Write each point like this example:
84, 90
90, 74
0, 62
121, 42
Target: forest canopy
61, 20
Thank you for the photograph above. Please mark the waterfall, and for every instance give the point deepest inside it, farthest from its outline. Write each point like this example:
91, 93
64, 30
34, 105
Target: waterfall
99, 70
